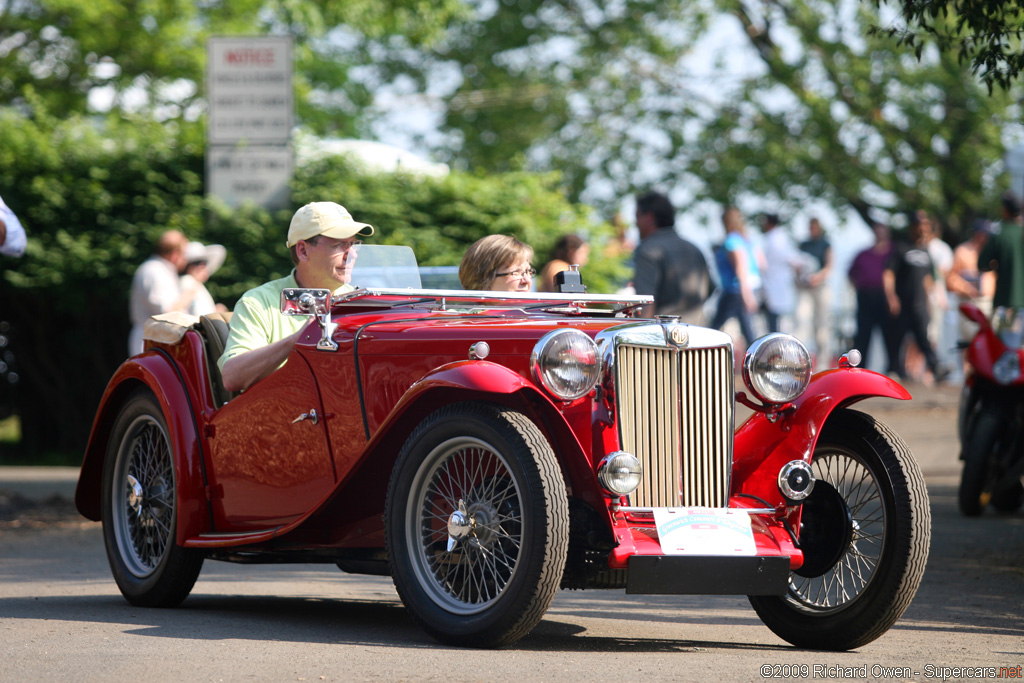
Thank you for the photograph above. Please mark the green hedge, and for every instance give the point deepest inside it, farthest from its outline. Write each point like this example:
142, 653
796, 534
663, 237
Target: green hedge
94, 196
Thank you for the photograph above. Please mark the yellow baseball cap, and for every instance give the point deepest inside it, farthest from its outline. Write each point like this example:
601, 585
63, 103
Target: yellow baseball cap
324, 218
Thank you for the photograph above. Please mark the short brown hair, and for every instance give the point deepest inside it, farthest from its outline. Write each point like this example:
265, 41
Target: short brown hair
170, 242
294, 249
489, 255
733, 220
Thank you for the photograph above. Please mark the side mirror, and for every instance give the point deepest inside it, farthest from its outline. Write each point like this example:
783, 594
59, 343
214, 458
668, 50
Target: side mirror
314, 302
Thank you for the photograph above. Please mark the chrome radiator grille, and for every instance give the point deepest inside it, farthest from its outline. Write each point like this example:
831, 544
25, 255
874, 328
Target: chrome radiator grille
675, 413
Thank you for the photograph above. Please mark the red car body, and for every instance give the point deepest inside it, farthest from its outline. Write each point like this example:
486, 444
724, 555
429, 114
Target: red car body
298, 468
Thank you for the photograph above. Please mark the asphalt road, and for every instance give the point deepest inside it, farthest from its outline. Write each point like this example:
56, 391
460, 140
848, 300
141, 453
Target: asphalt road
62, 618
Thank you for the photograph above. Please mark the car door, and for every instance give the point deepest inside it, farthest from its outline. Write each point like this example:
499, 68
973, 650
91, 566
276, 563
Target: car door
269, 460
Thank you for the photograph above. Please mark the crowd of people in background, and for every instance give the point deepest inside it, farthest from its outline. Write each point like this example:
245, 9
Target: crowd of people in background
905, 288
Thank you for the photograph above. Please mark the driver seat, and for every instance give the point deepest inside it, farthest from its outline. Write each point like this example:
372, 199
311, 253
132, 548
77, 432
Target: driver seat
214, 327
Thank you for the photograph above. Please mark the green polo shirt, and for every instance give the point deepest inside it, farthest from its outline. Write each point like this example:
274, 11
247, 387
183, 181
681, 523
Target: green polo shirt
1006, 250
257, 320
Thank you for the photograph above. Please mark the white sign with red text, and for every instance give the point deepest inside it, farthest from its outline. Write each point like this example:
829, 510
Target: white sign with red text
704, 531
249, 90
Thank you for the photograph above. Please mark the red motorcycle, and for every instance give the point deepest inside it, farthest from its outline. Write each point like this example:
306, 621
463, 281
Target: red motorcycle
991, 421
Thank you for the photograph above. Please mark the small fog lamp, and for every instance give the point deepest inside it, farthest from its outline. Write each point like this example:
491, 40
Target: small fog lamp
620, 473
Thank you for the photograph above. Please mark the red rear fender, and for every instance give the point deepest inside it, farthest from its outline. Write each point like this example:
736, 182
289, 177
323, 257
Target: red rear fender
155, 371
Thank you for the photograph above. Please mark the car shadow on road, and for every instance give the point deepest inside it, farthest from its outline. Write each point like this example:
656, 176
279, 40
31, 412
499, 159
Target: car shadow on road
554, 636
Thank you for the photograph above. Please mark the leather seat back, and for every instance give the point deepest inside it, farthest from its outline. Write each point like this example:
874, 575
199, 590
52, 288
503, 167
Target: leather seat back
214, 327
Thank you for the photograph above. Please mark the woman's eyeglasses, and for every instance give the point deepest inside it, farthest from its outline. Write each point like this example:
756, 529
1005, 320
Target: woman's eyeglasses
516, 274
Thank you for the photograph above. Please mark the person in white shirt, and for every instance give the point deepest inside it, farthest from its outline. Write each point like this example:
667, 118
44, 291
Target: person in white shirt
201, 262
782, 263
156, 286
942, 257
12, 234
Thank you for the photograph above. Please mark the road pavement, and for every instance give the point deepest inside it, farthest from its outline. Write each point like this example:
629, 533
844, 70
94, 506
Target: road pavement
62, 618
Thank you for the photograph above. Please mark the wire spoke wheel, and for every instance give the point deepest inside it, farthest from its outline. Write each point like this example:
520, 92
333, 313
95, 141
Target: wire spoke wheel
144, 497
477, 525
140, 508
469, 515
864, 533
864, 541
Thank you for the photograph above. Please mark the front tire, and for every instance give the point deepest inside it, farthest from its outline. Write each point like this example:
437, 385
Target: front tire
139, 501
477, 525
979, 444
874, 501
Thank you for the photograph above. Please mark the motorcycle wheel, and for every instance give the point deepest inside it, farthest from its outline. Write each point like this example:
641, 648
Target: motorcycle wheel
865, 535
1009, 500
978, 445
477, 525
140, 511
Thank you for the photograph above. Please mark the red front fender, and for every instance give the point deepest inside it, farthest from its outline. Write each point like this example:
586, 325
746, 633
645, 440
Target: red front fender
485, 381
365, 487
157, 372
761, 448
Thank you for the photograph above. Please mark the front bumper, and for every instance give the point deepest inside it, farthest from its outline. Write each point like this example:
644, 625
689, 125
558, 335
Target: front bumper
651, 570
707, 575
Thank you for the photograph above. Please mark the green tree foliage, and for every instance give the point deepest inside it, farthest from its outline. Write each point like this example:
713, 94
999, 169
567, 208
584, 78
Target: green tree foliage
806, 104
63, 50
593, 89
94, 199
985, 33
845, 115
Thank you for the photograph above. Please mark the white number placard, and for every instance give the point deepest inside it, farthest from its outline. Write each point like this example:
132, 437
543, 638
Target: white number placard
704, 531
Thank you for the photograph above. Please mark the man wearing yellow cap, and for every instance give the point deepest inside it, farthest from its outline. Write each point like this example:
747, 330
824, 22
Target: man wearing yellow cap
321, 237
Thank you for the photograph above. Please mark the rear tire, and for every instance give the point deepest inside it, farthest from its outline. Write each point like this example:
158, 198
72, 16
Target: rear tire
875, 503
139, 501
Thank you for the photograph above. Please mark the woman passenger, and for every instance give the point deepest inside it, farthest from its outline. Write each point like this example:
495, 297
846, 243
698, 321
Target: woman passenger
498, 263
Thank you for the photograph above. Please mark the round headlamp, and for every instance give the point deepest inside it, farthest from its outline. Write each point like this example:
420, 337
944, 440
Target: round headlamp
566, 363
777, 368
620, 473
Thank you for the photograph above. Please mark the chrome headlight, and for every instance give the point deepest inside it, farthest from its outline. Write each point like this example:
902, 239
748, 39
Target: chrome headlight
620, 473
1006, 370
566, 363
777, 368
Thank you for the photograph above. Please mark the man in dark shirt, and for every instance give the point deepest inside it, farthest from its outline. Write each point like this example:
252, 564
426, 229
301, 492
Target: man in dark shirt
866, 276
668, 267
908, 278
1004, 254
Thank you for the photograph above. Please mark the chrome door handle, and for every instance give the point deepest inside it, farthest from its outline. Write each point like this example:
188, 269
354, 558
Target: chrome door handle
311, 415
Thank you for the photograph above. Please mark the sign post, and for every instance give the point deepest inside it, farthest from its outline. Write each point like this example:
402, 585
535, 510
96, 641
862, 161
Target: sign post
249, 89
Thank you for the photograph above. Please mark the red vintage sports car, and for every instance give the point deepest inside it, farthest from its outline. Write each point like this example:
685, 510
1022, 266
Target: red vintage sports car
486, 449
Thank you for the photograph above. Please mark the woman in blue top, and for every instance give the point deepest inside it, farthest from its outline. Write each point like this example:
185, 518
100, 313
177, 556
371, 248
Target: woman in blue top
740, 276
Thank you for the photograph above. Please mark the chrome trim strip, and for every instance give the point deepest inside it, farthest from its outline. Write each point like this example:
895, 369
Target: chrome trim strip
456, 295
650, 511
